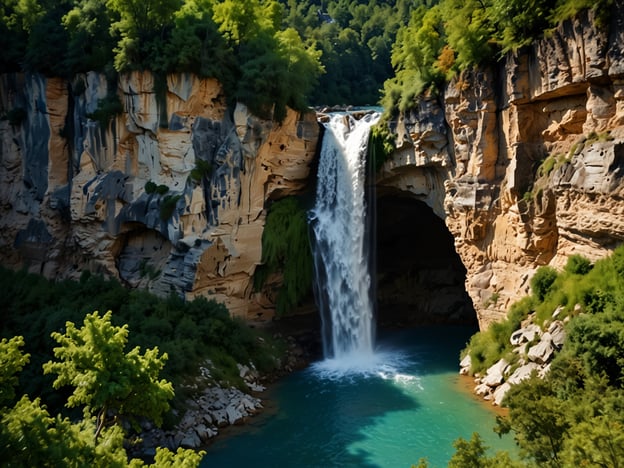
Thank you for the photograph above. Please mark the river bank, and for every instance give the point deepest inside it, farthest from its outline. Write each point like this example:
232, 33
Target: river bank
212, 410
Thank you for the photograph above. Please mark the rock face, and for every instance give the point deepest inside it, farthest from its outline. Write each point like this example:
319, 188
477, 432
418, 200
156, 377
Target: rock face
523, 162
171, 194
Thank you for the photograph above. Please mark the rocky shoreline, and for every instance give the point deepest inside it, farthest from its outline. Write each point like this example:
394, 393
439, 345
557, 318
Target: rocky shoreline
212, 408
535, 348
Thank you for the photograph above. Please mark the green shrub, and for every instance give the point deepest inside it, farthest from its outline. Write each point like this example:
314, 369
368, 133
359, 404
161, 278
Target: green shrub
108, 108
150, 187
188, 331
168, 206
542, 282
578, 265
380, 145
202, 169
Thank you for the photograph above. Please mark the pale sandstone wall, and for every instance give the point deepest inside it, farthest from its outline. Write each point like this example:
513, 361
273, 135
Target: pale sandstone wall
72, 194
476, 152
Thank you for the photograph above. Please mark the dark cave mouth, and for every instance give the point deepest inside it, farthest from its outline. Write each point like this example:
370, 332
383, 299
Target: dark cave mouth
420, 277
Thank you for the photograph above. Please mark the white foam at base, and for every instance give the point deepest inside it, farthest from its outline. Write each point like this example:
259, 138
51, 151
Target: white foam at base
385, 364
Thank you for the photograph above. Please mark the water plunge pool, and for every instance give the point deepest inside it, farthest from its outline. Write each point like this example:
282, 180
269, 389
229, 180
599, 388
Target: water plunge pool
408, 404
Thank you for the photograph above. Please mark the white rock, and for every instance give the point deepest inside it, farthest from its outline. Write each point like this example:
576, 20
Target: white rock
523, 372
542, 351
482, 389
500, 393
496, 374
525, 334
220, 417
191, 440
557, 333
233, 415
464, 365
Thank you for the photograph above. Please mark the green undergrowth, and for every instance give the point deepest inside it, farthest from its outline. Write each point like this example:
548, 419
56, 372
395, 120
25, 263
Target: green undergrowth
574, 414
286, 250
190, 332
579, 287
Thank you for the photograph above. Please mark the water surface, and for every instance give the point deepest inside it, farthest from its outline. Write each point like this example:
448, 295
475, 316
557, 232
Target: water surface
408, 404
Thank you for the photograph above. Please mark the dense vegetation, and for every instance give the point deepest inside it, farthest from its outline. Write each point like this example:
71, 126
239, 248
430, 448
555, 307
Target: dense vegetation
189, 332
575, 415
273, 53
456, 35
111, 386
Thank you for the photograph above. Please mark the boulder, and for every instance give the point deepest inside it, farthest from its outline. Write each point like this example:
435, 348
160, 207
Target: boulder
191, 440
543, 351
557, 333
234, 416
523, 372
525, 334
495, 374
500, 392
465, 364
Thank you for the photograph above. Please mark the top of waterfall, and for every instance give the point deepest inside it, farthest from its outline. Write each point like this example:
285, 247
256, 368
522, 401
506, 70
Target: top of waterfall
323, 114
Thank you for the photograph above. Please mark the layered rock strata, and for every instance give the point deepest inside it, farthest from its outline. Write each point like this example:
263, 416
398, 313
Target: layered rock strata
524, 161
170, 194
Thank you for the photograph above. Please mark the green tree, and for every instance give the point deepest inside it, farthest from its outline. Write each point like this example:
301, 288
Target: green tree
90, 44
12, 361
538, 419
519, 22
473, 454
196, 44
109, 382
30, 436
542, 282
144, 28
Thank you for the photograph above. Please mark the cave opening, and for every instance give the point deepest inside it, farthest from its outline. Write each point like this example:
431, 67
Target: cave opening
420, 277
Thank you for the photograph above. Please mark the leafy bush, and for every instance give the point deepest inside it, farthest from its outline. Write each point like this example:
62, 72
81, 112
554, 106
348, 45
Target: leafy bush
202, 169
542, 282
578, 265
573, 416
380, 145
108, 108
150, 187
168, 206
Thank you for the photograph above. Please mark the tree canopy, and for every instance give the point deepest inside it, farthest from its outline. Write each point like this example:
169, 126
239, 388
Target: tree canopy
104, 379
279, 52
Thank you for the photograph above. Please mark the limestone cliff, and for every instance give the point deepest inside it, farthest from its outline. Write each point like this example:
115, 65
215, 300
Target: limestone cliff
524, 161
169, 195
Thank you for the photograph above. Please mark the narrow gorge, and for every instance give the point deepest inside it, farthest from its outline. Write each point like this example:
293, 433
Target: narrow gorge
511, 167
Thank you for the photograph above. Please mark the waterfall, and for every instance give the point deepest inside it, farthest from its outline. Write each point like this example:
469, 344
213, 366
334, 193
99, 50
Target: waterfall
341, 256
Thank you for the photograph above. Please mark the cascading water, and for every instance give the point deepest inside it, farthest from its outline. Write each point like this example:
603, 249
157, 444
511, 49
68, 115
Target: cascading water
341, 257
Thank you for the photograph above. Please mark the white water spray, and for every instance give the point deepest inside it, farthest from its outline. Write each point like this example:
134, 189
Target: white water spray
341, 257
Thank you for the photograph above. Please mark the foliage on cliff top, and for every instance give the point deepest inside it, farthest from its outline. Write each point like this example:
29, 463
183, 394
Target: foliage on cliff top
456, 35
574, 415
240, 42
